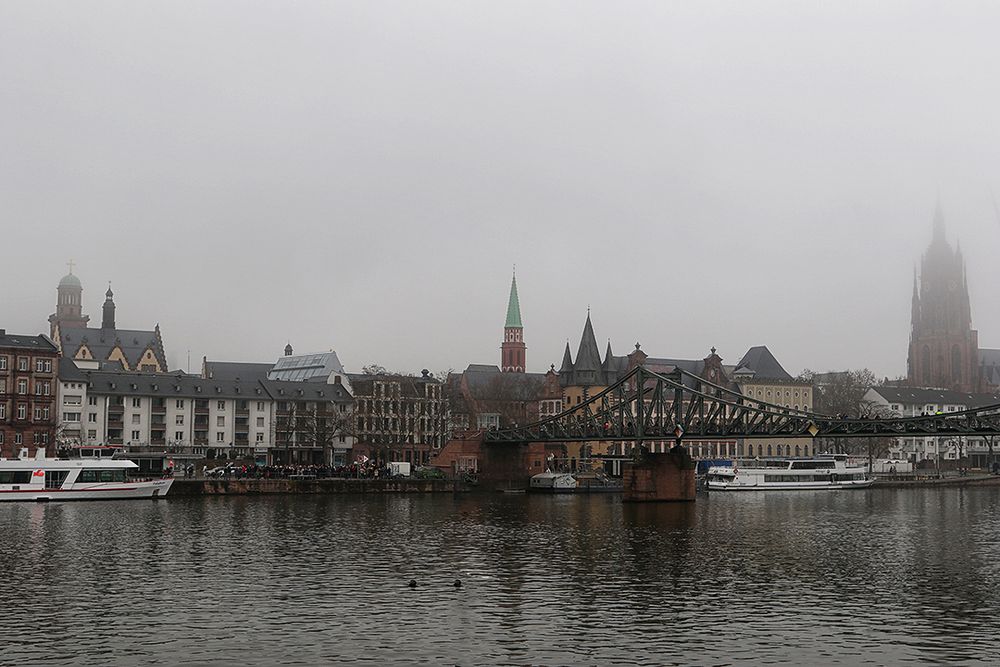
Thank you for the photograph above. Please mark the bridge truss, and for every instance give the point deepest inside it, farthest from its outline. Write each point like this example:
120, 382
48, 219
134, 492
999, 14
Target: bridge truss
680, 405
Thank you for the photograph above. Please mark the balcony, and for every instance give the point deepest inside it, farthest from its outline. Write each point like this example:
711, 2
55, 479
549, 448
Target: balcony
159, 406
201, 407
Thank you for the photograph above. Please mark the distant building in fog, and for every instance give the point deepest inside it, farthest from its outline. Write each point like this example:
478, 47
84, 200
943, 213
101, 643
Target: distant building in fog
944, 348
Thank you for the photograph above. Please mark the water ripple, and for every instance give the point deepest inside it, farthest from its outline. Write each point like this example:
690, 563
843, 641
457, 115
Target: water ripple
861, 578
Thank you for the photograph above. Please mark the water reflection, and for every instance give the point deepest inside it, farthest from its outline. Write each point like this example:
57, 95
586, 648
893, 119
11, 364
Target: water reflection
867, 577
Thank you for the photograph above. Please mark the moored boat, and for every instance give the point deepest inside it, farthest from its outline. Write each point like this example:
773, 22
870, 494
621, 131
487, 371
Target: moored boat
43, 478
789, 474
553, 482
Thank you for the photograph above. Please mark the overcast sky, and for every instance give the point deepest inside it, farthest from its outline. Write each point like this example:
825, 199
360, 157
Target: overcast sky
362, 176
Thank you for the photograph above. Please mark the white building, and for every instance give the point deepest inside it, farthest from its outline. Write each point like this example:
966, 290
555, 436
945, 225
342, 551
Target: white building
916, 402
227, 418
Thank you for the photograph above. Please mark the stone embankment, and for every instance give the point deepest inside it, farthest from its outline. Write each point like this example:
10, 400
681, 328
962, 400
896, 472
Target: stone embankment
904, 482
247, 487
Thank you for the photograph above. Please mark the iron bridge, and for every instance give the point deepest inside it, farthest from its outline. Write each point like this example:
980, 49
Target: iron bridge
681, 405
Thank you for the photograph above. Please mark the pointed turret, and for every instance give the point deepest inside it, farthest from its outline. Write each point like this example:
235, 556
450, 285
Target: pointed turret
587, 366
109, 309
513, 355
513, 306
567, 362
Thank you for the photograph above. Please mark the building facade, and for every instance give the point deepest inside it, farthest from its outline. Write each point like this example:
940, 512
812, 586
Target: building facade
399, 417
29, 372
210, 418
916, 402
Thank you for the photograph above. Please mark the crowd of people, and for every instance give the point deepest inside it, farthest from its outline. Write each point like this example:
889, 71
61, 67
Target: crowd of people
358, 470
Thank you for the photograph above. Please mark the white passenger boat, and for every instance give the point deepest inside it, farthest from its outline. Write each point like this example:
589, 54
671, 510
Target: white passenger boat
42, 478
553, 482
819, 473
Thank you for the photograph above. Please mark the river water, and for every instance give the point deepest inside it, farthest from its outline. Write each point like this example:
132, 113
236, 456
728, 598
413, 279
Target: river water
850, 578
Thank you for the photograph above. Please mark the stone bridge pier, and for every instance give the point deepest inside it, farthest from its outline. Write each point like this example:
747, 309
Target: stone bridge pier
660, 477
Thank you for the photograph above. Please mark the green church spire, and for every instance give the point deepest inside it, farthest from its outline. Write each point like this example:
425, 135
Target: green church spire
513, 306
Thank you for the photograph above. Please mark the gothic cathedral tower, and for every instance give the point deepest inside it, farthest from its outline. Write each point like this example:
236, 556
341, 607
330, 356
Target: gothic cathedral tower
944, 348
513, 351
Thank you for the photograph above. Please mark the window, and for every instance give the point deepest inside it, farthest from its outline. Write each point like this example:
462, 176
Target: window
92, 417
48, 365
135, 435
220, 405
22, 364
91, 434
22, 386
101, 476
38, 414
178, 435
3, 411
220, 436
72, 399
260, 422
1, 442
18, 438
136, 402
180, 404
38, 388
39, 366
3, 363
220, 421
179, 420
260, 406
91, 400
260, 437
71, 416
136, 419
22, 410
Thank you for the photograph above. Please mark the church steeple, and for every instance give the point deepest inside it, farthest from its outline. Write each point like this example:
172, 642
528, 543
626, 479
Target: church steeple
69, 306
109, 310
513, 352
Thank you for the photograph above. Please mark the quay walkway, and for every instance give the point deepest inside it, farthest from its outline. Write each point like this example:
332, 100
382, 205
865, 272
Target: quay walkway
230, 487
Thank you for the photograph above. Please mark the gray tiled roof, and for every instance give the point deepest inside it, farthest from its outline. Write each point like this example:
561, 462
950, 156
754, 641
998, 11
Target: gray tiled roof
229, 371
919, 396
487, 382
101, 342
180, 385
38, 342
760, 360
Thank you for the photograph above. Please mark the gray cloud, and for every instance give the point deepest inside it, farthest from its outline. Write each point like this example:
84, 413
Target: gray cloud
363, 175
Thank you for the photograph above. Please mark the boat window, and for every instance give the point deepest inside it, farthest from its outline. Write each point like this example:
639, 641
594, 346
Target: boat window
15, 477
101, 476
54, 478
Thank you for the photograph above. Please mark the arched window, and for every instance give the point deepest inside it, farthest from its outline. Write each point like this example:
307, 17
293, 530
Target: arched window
798, 451
739, 450
956, 363
768, 450
925, 364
